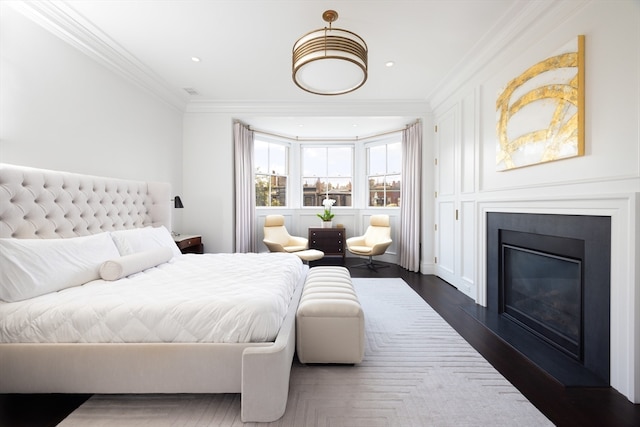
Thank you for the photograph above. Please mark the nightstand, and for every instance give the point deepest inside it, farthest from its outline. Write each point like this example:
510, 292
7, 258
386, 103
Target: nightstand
189, 244
328, 240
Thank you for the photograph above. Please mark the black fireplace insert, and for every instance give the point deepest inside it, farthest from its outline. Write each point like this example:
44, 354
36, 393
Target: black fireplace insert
540, 287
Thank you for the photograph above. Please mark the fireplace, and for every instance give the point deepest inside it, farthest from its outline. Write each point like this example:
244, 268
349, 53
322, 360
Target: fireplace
548, 291
540, 287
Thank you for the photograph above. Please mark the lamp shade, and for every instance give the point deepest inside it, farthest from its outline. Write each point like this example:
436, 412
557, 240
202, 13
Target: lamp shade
330, 61
177, 203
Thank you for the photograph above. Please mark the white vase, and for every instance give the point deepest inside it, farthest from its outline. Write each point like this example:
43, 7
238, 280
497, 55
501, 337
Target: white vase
327, 224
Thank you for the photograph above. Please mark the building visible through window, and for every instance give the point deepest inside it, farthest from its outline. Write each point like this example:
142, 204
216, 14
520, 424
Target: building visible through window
384, 174
271, 173
327, 172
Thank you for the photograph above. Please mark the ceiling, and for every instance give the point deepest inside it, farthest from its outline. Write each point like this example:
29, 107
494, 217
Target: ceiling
244, 47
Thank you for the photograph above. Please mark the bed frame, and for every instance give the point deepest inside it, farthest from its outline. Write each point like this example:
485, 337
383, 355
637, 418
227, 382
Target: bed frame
37, 203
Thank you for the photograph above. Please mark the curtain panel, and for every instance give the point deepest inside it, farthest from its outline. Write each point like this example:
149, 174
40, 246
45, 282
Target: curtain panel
410, 193
245, 201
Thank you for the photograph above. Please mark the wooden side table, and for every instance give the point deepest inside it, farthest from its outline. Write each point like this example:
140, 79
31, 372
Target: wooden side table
189, 244
328, 240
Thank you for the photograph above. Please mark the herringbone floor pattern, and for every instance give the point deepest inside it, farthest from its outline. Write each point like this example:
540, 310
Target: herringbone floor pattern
417, 372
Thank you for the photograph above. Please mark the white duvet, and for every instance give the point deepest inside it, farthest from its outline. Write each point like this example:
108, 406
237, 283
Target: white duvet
193, 298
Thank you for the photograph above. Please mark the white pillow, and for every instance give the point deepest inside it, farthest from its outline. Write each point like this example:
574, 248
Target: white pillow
32, 267
129, 264
142, 239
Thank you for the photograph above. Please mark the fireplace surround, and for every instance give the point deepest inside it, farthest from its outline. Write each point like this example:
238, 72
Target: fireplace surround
548, 291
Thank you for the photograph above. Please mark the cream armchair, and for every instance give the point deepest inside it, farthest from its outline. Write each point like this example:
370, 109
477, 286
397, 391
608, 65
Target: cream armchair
375, 241
277, 238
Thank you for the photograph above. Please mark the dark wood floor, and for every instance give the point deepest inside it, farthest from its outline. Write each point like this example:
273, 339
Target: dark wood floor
572, 407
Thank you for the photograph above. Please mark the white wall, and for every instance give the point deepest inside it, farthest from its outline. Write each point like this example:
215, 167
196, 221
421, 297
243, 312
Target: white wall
61, 110
208, 180
605, 181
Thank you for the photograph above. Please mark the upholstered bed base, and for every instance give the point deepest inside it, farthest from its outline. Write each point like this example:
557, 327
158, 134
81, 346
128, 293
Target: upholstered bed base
259, 371
38, 203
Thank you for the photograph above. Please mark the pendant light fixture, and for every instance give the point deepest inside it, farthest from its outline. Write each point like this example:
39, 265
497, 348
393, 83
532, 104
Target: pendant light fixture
330, 61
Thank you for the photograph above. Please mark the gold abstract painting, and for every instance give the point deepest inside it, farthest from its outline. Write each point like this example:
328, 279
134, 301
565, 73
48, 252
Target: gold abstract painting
540, 113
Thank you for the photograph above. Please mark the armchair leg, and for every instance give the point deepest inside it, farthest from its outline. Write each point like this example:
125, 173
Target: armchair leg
371, 265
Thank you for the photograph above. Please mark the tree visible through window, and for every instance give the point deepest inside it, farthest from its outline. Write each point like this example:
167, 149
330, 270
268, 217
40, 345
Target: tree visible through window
271, 173
384, 174
327, 171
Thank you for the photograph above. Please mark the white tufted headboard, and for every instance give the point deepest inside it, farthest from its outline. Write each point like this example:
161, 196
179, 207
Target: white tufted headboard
39, 203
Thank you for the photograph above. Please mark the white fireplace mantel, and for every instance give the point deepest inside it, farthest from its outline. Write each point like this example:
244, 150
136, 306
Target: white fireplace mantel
624, 210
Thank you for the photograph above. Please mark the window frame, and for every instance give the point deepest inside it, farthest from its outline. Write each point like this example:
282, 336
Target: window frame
287, 175
394, 138
327, 145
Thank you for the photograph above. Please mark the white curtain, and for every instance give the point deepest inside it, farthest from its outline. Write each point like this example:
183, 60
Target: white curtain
409, 239
245, 189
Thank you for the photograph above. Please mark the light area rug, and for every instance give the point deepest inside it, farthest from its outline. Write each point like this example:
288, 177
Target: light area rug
417, 371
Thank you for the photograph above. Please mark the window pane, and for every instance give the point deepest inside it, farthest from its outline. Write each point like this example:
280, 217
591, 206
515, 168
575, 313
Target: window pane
309, 196
384, 166
377, 160
394, 158
278, 191
340, 191
277, 159
327, 171
340, 161
376, 190
393, 190
261, 156
314, 191
262, 190
271, 168
314, 161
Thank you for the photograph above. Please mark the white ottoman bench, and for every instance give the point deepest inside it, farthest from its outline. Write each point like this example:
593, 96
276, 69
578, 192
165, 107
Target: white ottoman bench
329, 320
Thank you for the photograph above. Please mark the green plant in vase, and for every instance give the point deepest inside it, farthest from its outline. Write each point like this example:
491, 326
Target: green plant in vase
326, 215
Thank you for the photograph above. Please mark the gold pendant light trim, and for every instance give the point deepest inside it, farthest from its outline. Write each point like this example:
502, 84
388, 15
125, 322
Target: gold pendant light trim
330, 44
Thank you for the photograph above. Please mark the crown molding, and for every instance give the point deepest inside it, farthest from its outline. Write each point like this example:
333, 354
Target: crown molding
64, 22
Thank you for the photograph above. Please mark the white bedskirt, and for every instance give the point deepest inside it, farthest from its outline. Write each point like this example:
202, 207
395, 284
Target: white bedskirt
212, 298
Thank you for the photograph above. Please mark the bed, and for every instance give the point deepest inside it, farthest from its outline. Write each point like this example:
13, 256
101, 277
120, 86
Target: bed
141, 319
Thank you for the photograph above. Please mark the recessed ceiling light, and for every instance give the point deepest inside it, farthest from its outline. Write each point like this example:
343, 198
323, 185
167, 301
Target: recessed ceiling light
389, 64
195, 59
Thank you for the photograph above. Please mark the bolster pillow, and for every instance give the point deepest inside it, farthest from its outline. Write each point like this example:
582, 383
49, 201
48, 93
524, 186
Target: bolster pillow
134, 263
